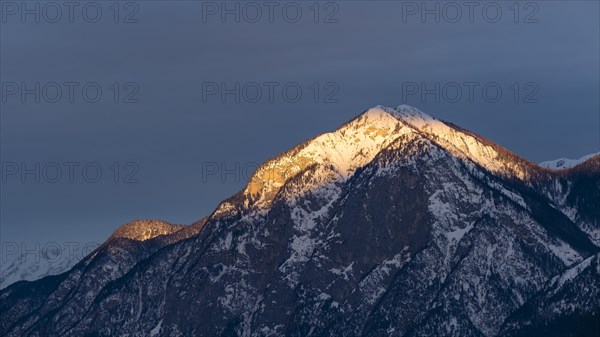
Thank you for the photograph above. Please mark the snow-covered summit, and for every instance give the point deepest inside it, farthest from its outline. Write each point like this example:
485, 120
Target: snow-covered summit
411, 113
461, 143
353, 145
356, 143
564, 163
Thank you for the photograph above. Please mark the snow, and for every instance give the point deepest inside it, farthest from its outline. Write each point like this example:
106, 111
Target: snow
227, 243
38, 261
564, 163
324, 296
457, 235
456, 142
564, 252
558, 281
343, 151
344, 273
156, 330
372, 285
307, 238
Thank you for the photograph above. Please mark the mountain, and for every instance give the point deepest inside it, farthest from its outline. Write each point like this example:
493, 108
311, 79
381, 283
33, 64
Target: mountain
564, 163
558, 306
396, 224
38, 261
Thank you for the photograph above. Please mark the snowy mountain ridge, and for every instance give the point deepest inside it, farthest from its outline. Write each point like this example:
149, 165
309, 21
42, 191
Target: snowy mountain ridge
565, 163
395, 224
53, 259
459, 142
357, 142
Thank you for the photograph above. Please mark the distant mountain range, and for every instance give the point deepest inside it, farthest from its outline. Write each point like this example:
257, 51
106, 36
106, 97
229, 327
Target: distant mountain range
564, 163
396, 224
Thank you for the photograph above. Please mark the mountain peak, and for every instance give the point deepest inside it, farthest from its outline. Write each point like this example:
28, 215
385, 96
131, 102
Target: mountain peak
339, 153
356, 143
565, 163
335, 156
463, 144
410, 112
403, 112
142, 230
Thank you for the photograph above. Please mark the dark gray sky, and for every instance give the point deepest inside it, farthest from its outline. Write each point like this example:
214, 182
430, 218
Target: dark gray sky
376, 53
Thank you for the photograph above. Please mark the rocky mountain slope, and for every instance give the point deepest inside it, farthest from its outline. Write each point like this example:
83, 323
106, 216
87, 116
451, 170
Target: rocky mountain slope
396, 224
37, 261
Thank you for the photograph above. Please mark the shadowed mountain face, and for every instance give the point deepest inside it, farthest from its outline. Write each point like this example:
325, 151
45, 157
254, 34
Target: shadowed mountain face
396, 224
